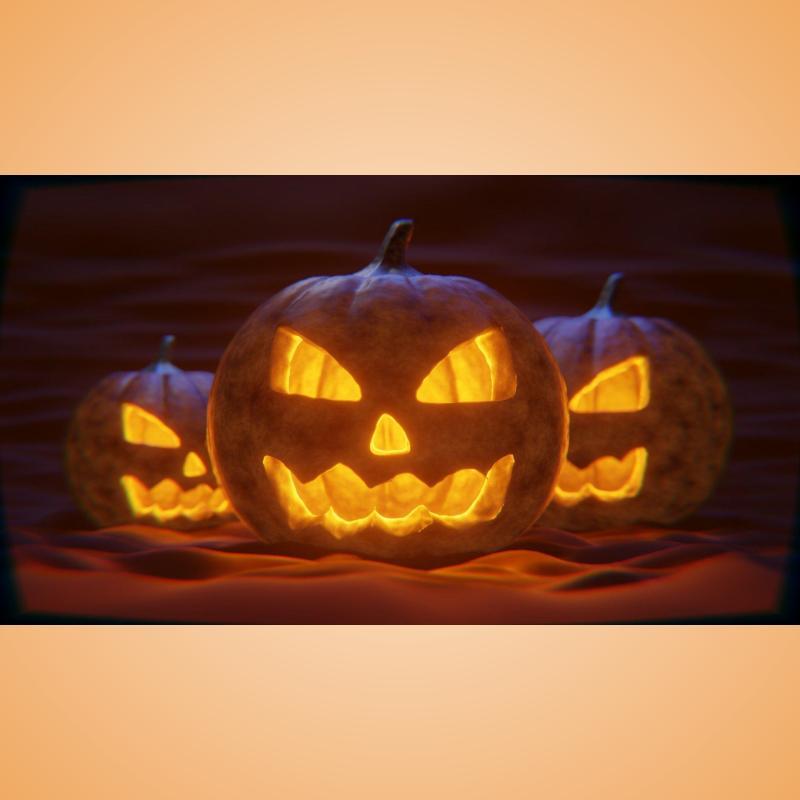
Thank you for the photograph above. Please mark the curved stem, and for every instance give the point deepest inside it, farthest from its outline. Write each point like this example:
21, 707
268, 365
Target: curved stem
603, 305
165, 350
393, 249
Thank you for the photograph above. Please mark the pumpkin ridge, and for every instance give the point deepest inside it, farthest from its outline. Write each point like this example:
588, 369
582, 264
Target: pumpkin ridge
640, 334
312, 287
114, 378
667, 327
594, 343
199, 390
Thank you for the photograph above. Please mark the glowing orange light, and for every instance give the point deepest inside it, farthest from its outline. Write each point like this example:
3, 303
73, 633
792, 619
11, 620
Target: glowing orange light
193, 466
298, 366
340, 501
477, 371
389, 438
166, 500
607, 478
142, 427
622, 387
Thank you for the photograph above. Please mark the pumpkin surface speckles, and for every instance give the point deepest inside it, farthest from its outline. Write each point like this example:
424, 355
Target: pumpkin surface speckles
388, 412
650, 420
136, 450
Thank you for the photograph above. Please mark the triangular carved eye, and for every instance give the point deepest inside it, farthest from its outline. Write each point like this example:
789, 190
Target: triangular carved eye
477, 371
622, 387
298, 366
142, 427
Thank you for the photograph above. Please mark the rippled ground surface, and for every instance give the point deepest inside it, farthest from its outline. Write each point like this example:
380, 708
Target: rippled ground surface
138, 572
100, 272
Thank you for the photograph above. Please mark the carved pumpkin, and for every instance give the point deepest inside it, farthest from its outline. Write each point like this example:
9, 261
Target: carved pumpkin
650, 420
388, 412
136, 449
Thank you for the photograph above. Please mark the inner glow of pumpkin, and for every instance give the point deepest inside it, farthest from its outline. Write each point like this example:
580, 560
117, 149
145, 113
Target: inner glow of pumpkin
193, 466
339, 500
166, 500
298, 366
477, 371
142, 427
607, 478
389, 438
622, 387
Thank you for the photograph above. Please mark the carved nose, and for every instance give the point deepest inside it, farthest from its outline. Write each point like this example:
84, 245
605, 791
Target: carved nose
389, 438
193, 465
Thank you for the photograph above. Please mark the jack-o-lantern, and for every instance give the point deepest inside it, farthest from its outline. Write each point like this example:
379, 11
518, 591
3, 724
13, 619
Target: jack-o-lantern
650, 420
136, 450
388, 412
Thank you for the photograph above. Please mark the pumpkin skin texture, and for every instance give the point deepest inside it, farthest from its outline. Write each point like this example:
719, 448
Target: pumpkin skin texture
136, 450
350, 443
644, 392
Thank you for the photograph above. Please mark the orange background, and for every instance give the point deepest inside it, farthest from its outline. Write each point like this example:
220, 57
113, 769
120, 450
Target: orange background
317, 86
360, 87
398, 713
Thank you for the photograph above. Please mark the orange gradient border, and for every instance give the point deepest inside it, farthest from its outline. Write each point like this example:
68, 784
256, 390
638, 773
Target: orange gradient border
357, 87
400, 712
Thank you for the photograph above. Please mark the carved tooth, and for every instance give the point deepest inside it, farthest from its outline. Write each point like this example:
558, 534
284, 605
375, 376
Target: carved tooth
224, 507
611, 473
466, 485
572, 478
436, 497
135, 492
492, 495
285, 485
313, 494
143, 495
347, 494
166, 494
399, 496
195, 496
217, 498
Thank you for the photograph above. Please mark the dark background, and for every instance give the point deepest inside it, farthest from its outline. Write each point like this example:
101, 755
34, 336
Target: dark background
97, 270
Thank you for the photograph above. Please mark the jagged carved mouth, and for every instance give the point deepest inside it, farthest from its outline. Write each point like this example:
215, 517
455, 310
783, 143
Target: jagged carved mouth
166, 500
343, 504
607, 478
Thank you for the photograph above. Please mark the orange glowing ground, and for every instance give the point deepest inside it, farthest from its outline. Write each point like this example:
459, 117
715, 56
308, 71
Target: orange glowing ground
138, 572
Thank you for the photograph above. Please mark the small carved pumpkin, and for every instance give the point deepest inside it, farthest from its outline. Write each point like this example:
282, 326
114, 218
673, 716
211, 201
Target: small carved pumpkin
136, 449
650, 420
388, 412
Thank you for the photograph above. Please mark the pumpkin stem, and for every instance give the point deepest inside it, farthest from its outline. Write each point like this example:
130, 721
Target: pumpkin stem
393, 249
165, 350
602, 308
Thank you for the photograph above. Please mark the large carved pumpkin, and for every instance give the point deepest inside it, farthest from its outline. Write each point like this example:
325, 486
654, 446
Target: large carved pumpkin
136, 449
388, 412
650, 420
